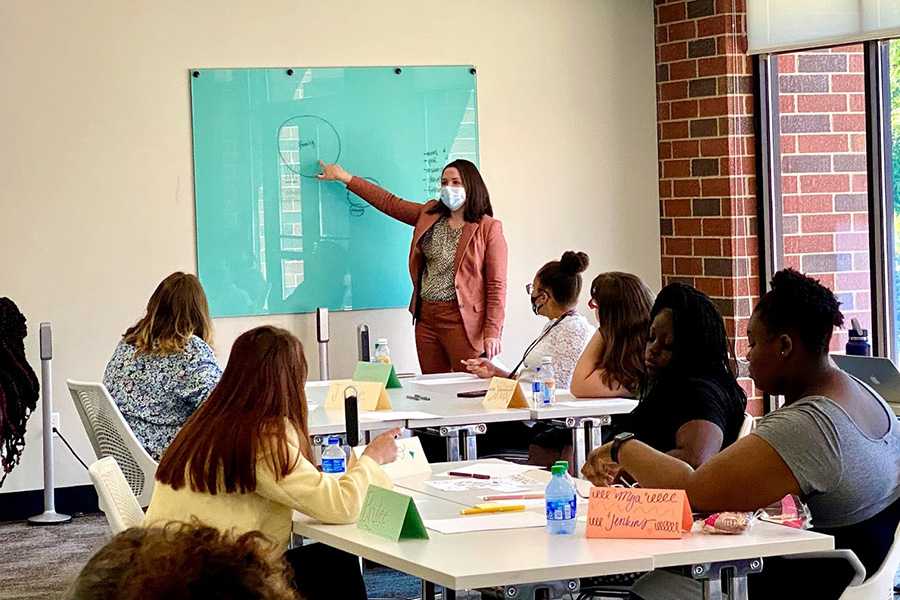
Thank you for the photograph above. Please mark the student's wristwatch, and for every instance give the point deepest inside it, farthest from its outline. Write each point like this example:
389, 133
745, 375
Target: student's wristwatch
617, 443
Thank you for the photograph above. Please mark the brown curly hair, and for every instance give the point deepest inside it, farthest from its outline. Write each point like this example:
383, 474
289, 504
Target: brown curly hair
185, 561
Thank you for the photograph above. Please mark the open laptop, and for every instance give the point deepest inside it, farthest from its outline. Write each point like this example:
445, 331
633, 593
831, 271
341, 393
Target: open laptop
880, 373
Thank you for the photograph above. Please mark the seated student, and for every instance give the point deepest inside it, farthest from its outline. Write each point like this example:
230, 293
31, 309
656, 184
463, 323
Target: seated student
243, 461
835, 443
163, 367
185, 561
691, 405
554, 295
612, 364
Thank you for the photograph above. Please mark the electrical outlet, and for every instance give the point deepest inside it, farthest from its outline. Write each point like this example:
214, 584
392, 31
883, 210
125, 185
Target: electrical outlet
54, 420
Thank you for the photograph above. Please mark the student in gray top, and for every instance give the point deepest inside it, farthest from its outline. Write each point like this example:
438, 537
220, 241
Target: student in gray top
835, 443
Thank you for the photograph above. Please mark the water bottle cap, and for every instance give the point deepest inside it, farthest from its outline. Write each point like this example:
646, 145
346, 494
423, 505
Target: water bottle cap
547, 359
382, 341
558, 469
563, 463
332, 440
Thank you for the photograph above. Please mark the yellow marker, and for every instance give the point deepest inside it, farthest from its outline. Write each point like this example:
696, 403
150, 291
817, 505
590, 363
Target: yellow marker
492, 509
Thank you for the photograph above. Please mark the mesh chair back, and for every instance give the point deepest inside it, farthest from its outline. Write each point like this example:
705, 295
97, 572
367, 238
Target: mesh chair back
116, 498
110, 435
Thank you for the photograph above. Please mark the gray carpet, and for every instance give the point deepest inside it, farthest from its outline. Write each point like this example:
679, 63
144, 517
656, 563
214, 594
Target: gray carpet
38, 563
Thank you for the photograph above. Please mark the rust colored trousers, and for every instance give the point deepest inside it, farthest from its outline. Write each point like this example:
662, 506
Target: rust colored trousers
441, 340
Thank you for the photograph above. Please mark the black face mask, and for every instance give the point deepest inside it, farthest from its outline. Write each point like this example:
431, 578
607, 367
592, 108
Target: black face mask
534, 305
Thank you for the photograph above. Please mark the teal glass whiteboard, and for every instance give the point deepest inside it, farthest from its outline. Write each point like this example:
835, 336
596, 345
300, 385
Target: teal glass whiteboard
271, 238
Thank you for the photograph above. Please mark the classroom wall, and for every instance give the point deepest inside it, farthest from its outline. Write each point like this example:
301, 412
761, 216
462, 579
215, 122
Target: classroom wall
96, 190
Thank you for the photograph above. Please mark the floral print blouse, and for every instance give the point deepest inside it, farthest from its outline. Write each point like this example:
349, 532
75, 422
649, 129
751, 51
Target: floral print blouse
156, 394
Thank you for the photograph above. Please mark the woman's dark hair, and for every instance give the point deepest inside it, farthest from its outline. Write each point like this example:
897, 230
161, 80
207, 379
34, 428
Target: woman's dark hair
478, 201
562, 278
701, 344
801, 303
18, 386
246, 420
187, 561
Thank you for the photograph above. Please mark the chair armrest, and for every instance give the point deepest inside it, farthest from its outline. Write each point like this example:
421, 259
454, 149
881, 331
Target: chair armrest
848, 555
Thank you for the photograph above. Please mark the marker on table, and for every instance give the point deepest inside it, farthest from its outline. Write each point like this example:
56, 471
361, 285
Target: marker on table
472, 475
419, 397
536, 496
492, 509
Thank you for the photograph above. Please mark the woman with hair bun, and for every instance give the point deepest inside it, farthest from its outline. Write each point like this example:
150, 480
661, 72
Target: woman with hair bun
554, 295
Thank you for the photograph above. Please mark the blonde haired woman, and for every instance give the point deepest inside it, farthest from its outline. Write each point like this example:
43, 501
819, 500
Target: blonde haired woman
163, 367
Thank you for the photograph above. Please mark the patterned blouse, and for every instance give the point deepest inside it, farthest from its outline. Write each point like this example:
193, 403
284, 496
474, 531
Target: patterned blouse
564, 343
157, 394
439, 246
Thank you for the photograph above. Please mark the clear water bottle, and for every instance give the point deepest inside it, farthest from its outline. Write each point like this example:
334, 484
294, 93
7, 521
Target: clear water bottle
560, 501
549, 377
858, 344
565, 465
537, 388
382, 352
334, 461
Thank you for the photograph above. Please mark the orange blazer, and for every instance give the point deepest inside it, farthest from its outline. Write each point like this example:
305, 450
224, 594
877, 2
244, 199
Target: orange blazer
480, 260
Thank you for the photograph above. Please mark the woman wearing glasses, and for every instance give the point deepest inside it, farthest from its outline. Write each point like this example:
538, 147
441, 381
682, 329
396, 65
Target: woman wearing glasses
554, 295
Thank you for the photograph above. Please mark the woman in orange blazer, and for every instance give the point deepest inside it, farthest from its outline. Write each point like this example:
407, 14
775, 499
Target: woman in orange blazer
457, 261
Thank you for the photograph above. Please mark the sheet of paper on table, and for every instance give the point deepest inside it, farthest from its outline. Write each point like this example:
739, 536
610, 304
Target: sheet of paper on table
489, 522
311, 407
516, 483
495, 470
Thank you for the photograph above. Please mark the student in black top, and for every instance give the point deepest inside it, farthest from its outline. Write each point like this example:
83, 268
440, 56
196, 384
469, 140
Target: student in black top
691, 405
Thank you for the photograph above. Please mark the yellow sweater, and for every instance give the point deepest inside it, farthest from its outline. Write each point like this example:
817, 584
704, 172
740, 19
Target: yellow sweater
270, 508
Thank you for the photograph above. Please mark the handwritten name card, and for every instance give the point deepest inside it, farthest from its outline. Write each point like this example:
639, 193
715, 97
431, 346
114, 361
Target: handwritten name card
390, 515
377, 371
371, 395
638, 513
504, 393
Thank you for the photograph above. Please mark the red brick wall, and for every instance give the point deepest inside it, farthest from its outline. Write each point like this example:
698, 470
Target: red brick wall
823, 173
706, 157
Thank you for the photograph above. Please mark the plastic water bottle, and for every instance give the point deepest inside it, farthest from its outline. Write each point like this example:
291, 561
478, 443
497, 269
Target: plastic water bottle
549, 377
537, 388
858, 343
334, 461
560, 500
565, 465
382, 352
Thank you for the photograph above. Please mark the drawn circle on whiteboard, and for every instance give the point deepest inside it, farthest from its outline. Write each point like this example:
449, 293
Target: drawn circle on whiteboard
303, 141
358, 207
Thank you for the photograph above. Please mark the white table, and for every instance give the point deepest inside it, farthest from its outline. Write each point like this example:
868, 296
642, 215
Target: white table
531, 556
460, 420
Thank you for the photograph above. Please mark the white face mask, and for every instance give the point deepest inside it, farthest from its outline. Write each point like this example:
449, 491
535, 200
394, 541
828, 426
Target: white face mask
452, 196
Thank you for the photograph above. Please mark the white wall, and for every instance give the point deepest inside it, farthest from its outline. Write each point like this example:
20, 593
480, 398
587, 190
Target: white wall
96, 188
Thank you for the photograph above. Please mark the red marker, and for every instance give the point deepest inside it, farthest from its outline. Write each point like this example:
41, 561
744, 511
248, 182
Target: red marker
472, 475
